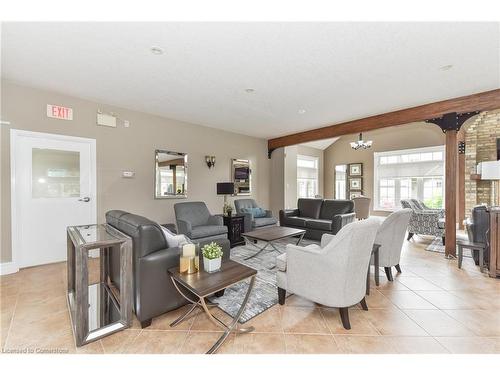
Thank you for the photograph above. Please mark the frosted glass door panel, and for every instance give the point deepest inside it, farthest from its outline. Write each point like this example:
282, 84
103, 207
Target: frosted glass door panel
55, 173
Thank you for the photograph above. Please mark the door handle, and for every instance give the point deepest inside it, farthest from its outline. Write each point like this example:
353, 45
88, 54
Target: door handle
84, 199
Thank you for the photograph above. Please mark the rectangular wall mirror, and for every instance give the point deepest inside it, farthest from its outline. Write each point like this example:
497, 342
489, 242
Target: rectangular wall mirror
241, 175
170, 174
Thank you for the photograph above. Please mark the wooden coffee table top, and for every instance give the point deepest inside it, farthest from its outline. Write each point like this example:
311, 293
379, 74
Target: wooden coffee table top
203, 283
273, 233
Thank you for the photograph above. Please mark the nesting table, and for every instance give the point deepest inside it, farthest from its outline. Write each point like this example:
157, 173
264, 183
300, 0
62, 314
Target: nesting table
99, 309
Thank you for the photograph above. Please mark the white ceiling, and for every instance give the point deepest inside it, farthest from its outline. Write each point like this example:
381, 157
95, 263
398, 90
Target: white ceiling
335, 71
322, 144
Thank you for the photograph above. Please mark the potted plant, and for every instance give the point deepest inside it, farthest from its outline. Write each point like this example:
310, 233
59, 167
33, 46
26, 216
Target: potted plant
212, 256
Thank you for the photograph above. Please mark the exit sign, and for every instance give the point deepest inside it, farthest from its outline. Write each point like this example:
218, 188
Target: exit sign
62, 113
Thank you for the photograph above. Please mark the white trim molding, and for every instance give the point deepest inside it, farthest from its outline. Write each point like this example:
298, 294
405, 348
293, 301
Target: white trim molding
8, 268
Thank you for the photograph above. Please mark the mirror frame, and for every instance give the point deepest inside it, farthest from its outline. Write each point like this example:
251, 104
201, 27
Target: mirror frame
241, 161
180, 154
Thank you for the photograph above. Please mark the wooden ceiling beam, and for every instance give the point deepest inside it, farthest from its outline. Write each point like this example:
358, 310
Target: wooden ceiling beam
483, 101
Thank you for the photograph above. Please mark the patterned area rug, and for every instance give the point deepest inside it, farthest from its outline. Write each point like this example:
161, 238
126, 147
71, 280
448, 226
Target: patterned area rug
437, 246
265, 292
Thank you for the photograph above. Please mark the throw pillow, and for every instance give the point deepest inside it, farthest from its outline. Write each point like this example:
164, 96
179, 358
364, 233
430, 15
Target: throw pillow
256, 211
174, 240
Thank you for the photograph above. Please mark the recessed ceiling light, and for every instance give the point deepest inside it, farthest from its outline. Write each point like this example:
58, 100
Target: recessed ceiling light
250, 90
446, 67
156, 50
301, 111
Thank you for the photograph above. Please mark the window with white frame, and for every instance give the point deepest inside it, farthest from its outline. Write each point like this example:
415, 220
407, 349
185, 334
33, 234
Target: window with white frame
307, 176
413, 173
340, 181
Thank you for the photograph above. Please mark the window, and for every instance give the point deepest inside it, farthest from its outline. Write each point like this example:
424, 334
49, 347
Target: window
404, 174
307, 176
340, 181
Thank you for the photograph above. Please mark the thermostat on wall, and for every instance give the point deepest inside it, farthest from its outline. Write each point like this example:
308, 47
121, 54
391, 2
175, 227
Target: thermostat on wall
106, 120
128, 174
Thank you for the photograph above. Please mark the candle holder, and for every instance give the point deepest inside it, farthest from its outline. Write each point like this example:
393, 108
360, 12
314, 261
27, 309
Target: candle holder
189, 261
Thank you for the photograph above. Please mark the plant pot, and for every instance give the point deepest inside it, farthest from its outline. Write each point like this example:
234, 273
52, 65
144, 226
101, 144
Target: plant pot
211, 265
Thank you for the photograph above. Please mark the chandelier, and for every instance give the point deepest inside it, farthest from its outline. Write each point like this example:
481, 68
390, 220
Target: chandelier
361, 144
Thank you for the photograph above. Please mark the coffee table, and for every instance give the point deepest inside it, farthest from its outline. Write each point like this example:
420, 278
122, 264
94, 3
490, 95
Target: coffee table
203, 284
270, 235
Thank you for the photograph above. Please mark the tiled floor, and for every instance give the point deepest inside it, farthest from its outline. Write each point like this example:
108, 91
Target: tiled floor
432, 307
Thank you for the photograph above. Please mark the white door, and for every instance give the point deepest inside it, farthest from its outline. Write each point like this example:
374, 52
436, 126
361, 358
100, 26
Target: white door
53, 186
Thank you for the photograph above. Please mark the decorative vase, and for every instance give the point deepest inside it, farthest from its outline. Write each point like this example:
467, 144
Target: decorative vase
212, 265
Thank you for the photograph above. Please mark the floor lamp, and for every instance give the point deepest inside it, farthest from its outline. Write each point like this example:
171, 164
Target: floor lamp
490, 170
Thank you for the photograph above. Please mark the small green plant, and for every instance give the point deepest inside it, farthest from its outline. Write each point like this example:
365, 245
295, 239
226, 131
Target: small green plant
212, 251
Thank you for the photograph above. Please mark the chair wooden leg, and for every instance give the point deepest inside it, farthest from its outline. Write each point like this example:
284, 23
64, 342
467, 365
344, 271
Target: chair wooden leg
444, 240
398, 268
363, 304
388, 273
460, 256
281, 296
410, 235
146, 323
344, 316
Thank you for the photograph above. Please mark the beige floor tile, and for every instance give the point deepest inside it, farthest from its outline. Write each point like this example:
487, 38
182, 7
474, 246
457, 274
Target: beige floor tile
481, 322
360, 325
303, 320
469, 345
201, 342
118, 342
437, 323
416, 345
444, 300
482, 299
393, 322
418, 283
162, 322
364, 345
157, 342
310, 344
92, 348
408, 300
269, 321
297, 301
377, 300
259, 343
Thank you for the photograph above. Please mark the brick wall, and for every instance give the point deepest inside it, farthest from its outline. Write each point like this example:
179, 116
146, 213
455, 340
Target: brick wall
480, 145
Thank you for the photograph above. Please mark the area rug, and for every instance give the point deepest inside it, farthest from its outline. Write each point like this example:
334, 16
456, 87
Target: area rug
437, 246
265, 292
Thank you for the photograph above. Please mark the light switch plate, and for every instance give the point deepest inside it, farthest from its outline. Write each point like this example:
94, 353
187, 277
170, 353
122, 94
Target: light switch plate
128, 174
106, 120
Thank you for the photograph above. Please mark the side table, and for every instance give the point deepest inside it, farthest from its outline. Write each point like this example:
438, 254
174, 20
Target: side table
235, 228
98, 310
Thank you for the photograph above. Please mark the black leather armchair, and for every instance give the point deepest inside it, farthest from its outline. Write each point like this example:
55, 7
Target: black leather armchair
154, 293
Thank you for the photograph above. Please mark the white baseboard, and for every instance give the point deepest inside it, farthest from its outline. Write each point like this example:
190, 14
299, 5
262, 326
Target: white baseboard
8, 268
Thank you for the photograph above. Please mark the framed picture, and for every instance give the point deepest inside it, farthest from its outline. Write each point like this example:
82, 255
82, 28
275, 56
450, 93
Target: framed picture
354, 194
356, 183
356, 169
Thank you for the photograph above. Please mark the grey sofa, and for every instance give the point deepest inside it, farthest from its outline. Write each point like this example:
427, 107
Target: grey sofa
195, 221
319, 216
251, 222
154, 293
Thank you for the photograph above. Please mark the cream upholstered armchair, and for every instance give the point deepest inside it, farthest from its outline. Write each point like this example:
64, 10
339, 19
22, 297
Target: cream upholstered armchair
361, 207
333, 276
390, 237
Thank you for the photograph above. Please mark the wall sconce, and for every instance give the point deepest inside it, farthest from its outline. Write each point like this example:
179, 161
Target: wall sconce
210, 160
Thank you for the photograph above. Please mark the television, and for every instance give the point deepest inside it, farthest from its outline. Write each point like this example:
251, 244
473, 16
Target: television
498, 148
225, 188
241, 173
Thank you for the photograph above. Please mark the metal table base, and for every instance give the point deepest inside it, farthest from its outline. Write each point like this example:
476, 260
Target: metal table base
201, 303
268, 243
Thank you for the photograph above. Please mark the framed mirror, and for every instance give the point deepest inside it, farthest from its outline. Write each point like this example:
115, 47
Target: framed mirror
170, 174
241, 175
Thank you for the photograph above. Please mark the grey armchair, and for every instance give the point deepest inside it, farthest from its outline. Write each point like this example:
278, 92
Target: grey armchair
195, 221
390, 237
424, 220
251, 222
333, 276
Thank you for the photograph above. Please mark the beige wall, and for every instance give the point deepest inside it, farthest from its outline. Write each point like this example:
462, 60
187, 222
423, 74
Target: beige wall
277, 198
395, 138
291, 153
132, 148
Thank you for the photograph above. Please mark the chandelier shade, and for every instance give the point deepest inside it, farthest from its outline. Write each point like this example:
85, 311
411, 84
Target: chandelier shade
360, 144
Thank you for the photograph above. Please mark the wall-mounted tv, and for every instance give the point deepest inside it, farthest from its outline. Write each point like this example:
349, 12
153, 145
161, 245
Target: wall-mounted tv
498, 148
241, 173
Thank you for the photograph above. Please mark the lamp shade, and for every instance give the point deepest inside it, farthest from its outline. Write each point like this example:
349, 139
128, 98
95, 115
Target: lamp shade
490, 170
225, 188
